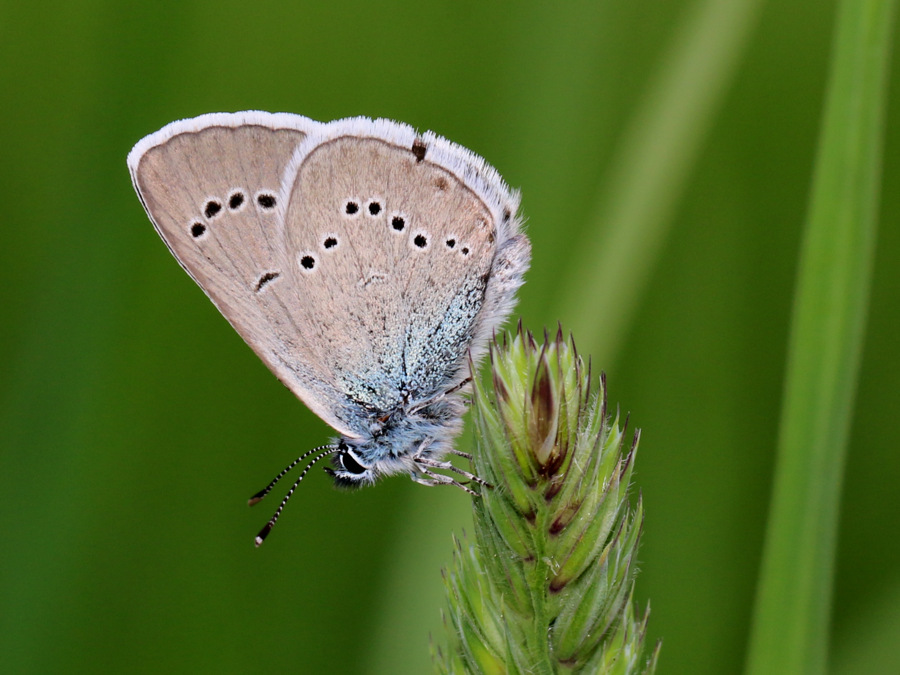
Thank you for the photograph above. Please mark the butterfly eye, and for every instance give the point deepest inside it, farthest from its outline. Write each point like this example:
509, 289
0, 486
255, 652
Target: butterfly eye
351, 464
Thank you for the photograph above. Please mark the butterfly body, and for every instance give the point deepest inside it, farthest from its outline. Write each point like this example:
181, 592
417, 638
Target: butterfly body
399, 442
365, 264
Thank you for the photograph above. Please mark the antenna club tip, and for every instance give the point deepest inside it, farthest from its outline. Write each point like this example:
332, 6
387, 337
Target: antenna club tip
255, 499
263, 533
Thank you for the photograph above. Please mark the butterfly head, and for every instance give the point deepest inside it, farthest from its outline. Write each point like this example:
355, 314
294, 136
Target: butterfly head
349, 469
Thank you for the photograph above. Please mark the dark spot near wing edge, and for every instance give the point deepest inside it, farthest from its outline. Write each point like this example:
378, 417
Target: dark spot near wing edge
419, 149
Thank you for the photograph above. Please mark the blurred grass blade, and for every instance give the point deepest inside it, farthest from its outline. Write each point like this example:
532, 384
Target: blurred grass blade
650, 171
790, 629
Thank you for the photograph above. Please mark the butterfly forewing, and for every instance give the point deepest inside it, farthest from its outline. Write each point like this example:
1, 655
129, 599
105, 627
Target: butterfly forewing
211, 187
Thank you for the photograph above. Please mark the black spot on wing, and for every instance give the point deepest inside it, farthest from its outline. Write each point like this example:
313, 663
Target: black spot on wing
419, 149
265, 279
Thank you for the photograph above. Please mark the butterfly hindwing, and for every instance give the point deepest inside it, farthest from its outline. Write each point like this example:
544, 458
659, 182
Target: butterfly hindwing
396, 251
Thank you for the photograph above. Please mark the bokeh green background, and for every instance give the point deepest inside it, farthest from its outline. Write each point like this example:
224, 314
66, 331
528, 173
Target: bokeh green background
134, 422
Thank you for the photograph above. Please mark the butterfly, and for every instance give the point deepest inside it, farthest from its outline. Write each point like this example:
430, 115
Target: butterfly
367, 265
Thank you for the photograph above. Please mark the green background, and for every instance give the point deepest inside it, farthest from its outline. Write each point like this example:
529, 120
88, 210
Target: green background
134, 422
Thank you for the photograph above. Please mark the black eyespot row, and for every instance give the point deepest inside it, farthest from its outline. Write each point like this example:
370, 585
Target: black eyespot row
266, 200
197, 230
212, 208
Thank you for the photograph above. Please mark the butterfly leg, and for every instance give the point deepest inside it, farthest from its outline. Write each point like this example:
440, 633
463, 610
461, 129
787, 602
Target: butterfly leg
457, 387
421, 405
430, 478
431, 463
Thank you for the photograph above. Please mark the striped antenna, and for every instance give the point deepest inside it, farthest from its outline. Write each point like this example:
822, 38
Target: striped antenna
255, 499
263, 533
